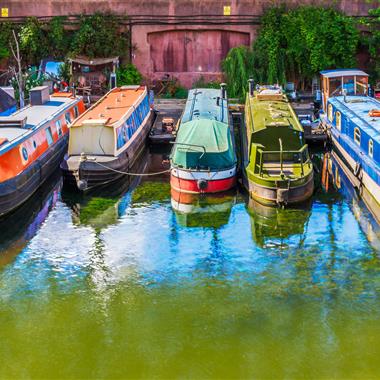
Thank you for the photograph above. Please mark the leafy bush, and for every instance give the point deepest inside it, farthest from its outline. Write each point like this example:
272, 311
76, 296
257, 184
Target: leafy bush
33, 41
99, 35
372, 42
181, 93
238, 68
128, 75
293, 45
202, 83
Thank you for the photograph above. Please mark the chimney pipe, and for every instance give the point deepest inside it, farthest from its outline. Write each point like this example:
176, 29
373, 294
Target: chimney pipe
223, 90
251, 86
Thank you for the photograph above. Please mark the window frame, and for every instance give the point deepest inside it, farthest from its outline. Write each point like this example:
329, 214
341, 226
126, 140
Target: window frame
370, 148
68, 118
58, 125
358, 142
49, 135
338, 120
330, 112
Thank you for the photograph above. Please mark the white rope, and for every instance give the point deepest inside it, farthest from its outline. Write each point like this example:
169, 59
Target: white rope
131, 174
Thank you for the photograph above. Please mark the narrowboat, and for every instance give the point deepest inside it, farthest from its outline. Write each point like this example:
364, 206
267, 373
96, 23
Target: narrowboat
106, 140
203, 158
278, 168
353, 121
33, 142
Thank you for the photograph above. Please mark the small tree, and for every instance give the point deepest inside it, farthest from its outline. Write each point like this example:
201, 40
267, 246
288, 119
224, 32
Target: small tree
17, 69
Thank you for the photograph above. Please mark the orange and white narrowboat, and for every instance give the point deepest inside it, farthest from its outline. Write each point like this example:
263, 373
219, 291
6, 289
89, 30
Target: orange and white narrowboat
108, 138
33, 142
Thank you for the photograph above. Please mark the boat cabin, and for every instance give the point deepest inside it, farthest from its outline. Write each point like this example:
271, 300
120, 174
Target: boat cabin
343, 82
106, 128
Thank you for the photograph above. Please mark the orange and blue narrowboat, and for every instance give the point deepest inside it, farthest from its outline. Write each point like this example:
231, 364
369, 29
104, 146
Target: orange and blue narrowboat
108, 138
33, 142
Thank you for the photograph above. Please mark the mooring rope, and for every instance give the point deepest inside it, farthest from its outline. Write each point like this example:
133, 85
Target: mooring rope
131, 174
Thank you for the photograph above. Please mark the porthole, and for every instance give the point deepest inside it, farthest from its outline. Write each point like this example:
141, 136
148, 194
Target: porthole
370, 148
25, 155
357, 136
34, 144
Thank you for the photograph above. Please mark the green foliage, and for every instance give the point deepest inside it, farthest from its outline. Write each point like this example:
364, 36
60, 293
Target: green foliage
128, 75
202, 83
372, 42
5, 38
238, 68
31, 80
181, 93
293, 45
33, 41
99, 36
59, 39
64, 72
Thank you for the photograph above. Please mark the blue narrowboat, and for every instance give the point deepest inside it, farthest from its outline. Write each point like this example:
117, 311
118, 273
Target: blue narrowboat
353, 121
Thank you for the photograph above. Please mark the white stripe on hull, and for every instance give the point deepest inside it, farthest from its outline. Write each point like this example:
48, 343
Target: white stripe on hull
367, 181
196, 175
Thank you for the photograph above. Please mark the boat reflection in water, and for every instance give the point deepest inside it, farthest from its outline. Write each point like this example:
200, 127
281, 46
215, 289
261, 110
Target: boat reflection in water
193, 210
337, 177
272, 226
19, 227
103, 206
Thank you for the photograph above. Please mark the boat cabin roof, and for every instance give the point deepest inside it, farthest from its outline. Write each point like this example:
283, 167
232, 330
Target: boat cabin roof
342, 73
205, 103
36, 115
270, 108
112, 107
357, 109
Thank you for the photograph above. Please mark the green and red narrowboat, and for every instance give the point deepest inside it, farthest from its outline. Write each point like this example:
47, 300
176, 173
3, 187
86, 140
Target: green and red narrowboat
33, 142
203, 159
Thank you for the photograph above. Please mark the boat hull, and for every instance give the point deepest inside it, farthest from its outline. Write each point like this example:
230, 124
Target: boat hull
87, 173
272, 196
196, 182
20, 188
369, 190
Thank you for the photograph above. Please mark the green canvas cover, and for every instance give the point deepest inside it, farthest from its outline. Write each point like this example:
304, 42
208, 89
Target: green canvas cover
214, 136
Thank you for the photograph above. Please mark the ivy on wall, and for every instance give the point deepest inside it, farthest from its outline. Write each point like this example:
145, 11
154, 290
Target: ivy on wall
293, 45
97, 35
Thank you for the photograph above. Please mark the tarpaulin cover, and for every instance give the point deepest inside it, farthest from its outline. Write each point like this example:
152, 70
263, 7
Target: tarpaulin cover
214, 136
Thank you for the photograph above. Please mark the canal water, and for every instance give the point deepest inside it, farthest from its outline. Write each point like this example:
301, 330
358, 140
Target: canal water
136, 282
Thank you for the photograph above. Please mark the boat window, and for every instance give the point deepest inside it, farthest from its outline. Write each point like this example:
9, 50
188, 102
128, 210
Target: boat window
58, 124
370, 148
338, 120
330, 112
49, 136
335, 86
349, 84
361, 85
76, 112
68, 118
357, 135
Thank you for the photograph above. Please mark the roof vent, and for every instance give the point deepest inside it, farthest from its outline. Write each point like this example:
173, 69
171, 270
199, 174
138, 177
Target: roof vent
12, 122
39, 95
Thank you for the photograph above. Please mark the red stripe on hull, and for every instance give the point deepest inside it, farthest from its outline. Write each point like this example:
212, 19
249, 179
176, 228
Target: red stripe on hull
192, 186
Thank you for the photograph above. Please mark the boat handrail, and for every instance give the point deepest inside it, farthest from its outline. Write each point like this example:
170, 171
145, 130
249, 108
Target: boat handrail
191, 145
281, 153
